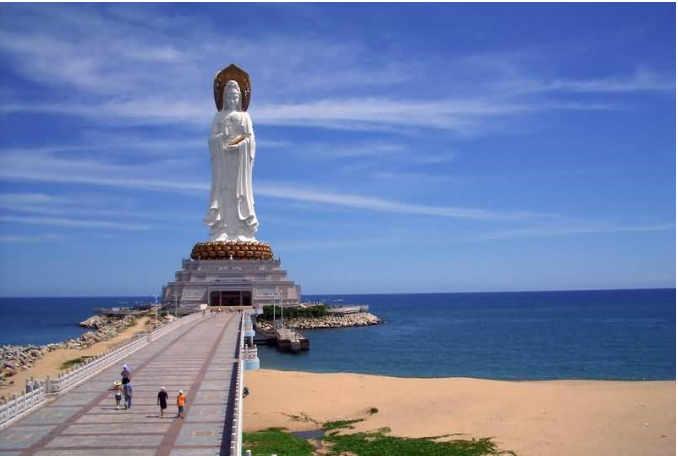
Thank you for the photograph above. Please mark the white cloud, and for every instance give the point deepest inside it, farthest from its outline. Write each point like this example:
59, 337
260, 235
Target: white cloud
27, 199
571, 229
341, 150
409, 176
74, 223
463, 116
31, 239
126, 74
50, 168
339, 244
379, 151
385, 205
642, 80
47, 167
79, 205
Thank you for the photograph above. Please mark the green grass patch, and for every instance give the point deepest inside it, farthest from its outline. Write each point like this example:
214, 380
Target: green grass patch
378, 444
132, 323
70, 363
276, 441
341, 424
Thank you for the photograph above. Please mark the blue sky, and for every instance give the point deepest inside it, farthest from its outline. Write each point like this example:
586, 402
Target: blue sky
400, 148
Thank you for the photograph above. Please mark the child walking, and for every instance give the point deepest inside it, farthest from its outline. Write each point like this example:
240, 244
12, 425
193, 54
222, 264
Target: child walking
181, 403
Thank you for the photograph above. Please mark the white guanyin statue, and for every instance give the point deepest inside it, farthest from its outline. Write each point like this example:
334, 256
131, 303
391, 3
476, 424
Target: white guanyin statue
230, 214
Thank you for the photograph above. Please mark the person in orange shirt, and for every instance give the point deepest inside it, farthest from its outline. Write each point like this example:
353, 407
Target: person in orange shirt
181, 403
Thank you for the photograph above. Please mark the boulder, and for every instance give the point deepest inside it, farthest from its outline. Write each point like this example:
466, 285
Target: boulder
94, 322
8, 372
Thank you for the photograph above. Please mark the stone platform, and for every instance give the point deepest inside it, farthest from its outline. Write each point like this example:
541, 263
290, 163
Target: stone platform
198, 358
232, 282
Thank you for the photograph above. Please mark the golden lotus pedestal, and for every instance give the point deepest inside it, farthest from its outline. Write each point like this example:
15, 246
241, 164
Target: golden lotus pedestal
231, 250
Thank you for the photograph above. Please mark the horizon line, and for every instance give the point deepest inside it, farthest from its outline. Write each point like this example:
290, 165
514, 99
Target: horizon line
372, 293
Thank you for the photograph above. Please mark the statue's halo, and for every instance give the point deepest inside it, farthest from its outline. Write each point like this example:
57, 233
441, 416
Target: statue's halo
238, 75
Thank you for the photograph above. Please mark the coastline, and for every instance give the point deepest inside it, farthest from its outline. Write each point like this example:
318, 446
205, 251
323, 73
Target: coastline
50, 362
532, 418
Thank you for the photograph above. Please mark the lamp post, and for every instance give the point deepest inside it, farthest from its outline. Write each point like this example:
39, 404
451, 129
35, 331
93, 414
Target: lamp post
176, 304
282, 311
156, 310
277, 295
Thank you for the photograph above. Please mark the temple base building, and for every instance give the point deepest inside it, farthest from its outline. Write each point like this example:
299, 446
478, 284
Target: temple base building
232, 283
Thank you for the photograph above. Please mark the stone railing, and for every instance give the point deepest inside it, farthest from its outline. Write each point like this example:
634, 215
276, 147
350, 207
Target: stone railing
21, 405
92, 366
236, 433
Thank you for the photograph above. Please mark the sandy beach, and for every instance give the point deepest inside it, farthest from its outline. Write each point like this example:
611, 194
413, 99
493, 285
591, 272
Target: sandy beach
545, 418
51, 362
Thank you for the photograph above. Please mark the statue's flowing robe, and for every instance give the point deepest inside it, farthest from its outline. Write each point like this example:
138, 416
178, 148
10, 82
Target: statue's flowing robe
231, 209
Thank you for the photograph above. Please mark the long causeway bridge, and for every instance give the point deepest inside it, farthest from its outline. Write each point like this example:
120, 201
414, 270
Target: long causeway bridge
201, 355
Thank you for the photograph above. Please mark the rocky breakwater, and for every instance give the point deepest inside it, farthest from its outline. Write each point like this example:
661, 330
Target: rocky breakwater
15, 358
326, 321
105, 328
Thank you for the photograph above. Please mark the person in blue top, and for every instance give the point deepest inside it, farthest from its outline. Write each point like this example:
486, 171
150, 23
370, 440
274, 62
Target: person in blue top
127, 389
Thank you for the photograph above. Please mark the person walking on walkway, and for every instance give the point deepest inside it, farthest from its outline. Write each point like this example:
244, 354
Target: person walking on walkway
162, 401
181, 403
128, 395
117, 387
126, 374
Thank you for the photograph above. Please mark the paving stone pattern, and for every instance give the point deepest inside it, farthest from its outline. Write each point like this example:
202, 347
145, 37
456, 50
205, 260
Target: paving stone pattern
198, 358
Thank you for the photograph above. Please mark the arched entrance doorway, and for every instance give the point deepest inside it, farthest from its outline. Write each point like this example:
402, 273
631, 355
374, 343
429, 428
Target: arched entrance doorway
233, 298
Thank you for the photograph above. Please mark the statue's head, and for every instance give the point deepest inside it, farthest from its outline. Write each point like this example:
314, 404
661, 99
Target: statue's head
232, 96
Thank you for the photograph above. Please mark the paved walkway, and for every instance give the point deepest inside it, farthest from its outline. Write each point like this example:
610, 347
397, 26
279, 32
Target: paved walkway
198, 358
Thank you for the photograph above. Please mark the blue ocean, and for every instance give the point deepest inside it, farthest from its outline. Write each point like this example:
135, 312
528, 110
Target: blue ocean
41, 321
611, 335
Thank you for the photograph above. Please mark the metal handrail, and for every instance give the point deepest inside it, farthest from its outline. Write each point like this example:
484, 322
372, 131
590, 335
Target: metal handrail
250, 353
236, 433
